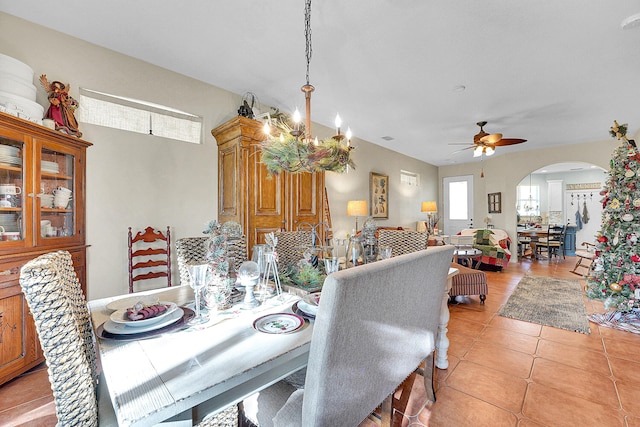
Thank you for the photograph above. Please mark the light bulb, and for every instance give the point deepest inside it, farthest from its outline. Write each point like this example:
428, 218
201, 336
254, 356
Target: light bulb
349, 134
477, 152
315, 142
489, 151
266, 129
296, 116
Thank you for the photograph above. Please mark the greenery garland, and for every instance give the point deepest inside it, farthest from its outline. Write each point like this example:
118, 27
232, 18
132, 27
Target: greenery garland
284, 152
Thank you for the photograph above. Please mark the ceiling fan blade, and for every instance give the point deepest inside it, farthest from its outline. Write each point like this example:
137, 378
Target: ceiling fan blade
492, 138
509, 141
463, 149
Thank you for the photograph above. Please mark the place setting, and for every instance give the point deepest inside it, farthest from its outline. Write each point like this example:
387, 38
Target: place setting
143, 317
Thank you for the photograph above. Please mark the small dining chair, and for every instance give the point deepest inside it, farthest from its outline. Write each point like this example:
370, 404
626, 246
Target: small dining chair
402, 241
368, 337
54, 296
149, 255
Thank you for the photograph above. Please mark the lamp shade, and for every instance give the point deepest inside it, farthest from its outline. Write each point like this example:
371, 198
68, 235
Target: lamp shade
429, 207
357, 208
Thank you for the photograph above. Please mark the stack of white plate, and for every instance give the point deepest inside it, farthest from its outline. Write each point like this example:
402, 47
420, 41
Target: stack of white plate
9, 222
17, 91
10, 154
50, 167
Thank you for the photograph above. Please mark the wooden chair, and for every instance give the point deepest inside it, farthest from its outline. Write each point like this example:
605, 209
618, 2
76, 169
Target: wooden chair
155, 247
375, 325
53, 293
553, 244
585, 258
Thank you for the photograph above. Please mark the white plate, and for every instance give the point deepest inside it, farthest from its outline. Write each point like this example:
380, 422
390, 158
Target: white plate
278, 323
127, 302
120, 316
308, 308
121, 329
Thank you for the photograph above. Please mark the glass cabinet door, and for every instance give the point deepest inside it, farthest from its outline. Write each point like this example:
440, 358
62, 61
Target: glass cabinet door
12, 197
56, 194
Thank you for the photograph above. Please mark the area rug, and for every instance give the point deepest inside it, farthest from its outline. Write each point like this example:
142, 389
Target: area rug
548, 301
629, 322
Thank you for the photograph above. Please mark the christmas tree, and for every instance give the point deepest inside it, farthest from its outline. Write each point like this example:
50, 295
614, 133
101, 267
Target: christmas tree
615, 274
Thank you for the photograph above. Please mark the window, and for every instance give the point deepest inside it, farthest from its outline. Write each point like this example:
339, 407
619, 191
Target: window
529, 200
138, 116
409, 178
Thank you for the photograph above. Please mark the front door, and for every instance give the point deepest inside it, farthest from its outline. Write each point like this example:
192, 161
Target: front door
458, 203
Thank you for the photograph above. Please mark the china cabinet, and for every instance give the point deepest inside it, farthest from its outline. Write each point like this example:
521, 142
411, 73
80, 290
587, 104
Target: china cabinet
249, 195
42, 209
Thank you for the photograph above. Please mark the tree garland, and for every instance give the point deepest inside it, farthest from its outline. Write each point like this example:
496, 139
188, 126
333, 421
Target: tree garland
284, 152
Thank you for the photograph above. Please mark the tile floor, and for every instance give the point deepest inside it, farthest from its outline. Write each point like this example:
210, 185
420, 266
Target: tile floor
502, 372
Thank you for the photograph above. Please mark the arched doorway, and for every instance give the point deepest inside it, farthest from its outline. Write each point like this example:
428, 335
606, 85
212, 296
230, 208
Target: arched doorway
563, 193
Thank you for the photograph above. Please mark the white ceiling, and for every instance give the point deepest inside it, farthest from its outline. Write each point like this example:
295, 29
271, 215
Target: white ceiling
552, 72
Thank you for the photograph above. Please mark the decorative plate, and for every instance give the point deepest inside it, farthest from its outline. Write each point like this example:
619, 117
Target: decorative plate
278, 323
123, 329
124, 303
120, 316
182, 322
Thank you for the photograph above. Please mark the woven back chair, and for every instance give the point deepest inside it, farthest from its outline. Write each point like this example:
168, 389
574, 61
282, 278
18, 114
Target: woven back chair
402, 241
191, 249
59, 309
290, 247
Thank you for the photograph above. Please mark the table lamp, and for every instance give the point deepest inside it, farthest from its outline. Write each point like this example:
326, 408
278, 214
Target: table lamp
430, 207
357, 208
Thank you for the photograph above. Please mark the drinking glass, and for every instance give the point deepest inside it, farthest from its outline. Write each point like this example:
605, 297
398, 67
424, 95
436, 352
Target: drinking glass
197, 281
385, 252
331, 265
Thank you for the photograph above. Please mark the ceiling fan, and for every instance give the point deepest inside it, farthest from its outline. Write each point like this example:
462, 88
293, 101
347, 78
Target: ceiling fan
485, 143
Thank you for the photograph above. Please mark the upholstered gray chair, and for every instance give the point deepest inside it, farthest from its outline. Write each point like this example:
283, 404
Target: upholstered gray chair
59, 309
402, 241
375, 324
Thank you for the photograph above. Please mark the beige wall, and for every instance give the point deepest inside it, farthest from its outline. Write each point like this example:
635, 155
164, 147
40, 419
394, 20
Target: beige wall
137, 180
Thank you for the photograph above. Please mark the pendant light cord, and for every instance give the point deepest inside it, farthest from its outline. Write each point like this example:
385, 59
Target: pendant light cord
307, 34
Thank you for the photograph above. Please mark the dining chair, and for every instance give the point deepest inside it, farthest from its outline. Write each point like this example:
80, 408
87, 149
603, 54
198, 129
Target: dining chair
192, 249
402, 241
54, 296
290, 247
553, 243
149, 255
368, 337
189, 249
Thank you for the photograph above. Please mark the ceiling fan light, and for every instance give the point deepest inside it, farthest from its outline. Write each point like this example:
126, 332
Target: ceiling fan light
477, 152
489, 151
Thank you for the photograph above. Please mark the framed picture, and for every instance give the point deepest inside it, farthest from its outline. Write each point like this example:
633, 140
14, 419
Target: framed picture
379, 199
495, 202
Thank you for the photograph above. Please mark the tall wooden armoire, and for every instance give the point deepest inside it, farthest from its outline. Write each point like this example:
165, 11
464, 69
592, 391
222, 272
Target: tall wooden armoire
262, 203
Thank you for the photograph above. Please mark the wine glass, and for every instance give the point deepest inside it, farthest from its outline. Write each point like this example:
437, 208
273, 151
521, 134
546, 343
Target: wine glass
197, 281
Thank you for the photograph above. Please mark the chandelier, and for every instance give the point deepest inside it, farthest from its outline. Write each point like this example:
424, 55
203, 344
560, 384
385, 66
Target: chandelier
290, 147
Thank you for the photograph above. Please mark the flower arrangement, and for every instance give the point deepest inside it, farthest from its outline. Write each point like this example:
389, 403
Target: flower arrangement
285, 152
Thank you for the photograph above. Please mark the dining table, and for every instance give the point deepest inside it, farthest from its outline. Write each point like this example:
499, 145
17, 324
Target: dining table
183, 373
191, 371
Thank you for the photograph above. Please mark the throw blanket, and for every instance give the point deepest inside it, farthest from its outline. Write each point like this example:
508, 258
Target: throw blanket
494, 245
